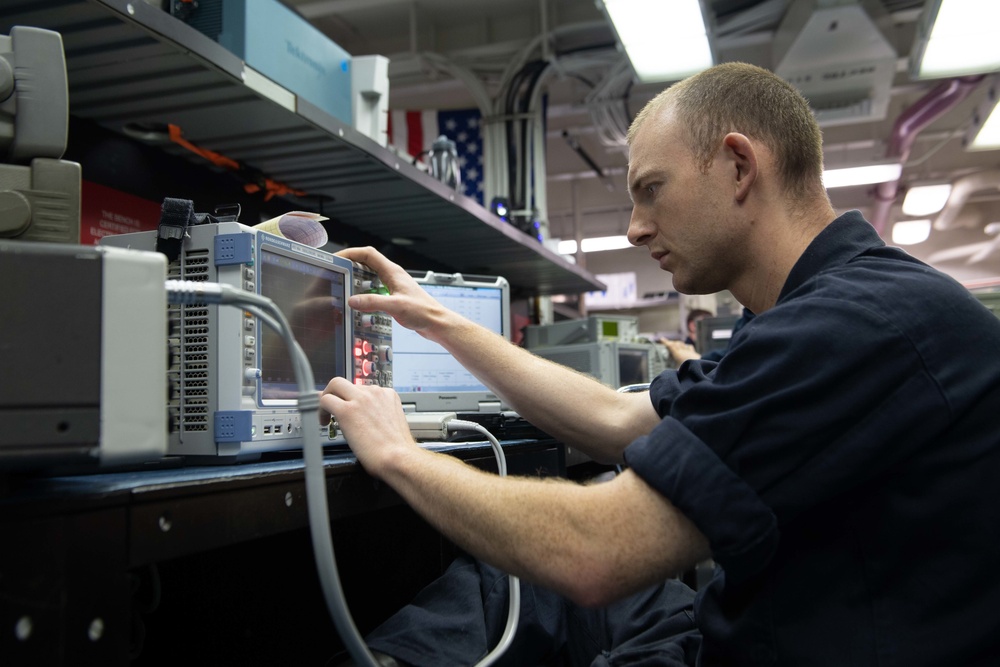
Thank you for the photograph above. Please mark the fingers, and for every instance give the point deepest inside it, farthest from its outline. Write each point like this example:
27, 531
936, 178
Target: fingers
337, 388
341, 394
371, 258
367, 413
337, 385
407, 302
393, 275
680, 351
369, 303
332, 394
363, 255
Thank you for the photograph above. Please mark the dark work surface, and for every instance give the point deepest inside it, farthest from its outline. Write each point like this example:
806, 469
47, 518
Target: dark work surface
211, 565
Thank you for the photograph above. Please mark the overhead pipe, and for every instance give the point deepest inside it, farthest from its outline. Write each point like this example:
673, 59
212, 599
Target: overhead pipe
961, 190
585, 156
941, 99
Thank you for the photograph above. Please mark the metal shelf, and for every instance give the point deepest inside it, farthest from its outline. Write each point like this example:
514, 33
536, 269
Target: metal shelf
638, 304
130, 63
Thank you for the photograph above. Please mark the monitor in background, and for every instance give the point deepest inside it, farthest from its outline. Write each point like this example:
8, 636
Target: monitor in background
612, 363
589, 329
714, 332
425, 375
635, 365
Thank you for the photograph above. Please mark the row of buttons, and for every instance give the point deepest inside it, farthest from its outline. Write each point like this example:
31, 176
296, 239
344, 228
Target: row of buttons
250, 372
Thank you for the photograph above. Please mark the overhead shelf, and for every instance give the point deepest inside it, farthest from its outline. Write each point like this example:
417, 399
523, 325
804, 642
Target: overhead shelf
131, 65
672, 299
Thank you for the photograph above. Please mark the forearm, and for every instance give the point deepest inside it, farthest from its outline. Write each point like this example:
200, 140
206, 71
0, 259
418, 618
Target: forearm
586, 542
572, 407
593, 543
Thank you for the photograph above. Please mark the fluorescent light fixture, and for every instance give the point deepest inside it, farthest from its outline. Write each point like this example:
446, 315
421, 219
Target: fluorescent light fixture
665, 40
955, 38
874, 173
926, 199
595, 244
566, 248
908, 232
985, 130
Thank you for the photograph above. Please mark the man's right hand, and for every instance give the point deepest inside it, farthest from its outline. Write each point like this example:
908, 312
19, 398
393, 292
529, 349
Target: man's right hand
407, 302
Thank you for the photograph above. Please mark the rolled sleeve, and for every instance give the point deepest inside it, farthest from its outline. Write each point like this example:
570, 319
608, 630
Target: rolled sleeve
741, 529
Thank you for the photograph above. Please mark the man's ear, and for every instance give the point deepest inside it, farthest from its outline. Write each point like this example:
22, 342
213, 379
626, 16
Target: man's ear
744, 158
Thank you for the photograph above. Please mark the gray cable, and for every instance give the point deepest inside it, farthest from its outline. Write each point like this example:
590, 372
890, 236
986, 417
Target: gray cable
514, 603
182, 291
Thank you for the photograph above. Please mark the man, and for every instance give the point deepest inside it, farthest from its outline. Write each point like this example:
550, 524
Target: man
681, 351
839, 464
693, 317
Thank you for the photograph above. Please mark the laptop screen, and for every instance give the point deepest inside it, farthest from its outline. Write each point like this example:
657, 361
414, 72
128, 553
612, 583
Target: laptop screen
424, 374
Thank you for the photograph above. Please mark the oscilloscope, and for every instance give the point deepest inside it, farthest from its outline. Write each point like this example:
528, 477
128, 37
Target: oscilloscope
231, 388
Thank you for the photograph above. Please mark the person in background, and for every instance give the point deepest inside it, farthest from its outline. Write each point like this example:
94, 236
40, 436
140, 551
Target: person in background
693, 317
681, 351
839, 464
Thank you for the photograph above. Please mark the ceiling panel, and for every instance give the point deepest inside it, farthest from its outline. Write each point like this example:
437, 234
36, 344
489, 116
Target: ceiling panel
582, 51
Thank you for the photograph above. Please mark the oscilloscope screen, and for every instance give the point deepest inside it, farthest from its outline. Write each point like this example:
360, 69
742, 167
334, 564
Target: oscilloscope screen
313, 298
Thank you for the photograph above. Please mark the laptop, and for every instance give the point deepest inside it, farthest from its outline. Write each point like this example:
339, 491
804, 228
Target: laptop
424, 374
429, 379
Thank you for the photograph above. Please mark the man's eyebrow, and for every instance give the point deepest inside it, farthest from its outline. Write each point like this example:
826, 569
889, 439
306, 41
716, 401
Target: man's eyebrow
633, 183
637, 183
630, 188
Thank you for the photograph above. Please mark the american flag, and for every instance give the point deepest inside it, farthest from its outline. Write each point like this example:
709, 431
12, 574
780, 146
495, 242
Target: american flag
413, 132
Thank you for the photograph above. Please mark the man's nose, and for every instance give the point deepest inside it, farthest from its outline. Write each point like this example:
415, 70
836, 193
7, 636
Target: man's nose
639, 231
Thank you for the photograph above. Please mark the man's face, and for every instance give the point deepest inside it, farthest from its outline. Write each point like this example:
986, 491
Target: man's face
679, 212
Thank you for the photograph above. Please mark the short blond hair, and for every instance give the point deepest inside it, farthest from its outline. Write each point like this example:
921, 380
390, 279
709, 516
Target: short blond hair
744, 98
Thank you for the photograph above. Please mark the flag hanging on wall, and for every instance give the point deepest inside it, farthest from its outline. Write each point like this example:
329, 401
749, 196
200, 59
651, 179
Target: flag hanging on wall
413, 132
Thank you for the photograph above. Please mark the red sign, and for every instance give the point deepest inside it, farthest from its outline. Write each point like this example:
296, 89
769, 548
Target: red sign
105, 211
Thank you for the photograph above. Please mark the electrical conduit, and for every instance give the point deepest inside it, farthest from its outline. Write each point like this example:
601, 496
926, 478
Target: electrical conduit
926, 110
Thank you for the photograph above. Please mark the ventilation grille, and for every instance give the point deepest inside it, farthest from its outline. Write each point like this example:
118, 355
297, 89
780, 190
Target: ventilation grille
189, 374
837, 56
